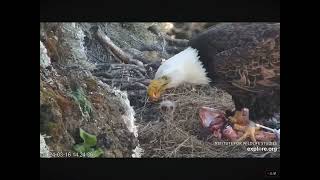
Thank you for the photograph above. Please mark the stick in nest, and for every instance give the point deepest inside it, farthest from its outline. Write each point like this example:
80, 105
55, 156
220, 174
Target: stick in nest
127, 67
177, 42
137, 85
176, 149
107, 43
182, 131
173, 134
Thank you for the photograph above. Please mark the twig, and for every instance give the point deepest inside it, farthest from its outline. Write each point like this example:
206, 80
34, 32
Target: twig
105, 66
141, 58
123, 80
177, 42
174, 50
107, 43
103, 74
137, 92
175, 150
243, 88
138, 73
135, 84
137, 62
145, 127
127, 66
150, 48
145, 81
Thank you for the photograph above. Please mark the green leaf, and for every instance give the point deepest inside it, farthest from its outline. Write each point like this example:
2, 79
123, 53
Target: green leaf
81, 148
89, 139
96, 153
88, 146
79, 96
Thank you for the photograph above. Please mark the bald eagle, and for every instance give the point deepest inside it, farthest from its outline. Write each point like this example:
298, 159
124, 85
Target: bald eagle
241, 58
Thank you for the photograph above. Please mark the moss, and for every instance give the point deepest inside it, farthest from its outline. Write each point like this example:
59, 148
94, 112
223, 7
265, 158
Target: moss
47, 126
64, 104
79, 96
52, 125
97, 101
47, 105
46, 116
46, 94
92, 84
51, 105
55, 131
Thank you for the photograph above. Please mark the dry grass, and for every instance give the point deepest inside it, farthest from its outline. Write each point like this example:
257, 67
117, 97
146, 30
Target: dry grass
179, 133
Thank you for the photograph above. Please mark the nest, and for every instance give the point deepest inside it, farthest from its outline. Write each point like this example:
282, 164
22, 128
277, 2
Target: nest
177, 132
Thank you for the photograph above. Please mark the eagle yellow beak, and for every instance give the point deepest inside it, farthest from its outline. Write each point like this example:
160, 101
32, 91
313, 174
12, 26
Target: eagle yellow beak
154, 97
154, 90
157, 87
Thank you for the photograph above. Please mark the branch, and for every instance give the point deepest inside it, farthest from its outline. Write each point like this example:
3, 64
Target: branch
127, 67
103, 74
137, 85
125, 79
140, 92
175, 42
107, 43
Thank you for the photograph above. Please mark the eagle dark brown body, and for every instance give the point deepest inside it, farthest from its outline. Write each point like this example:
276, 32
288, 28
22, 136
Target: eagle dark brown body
244, 59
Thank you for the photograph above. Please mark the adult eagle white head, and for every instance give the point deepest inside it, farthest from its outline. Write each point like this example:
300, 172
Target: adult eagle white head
241, 58
184, 67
